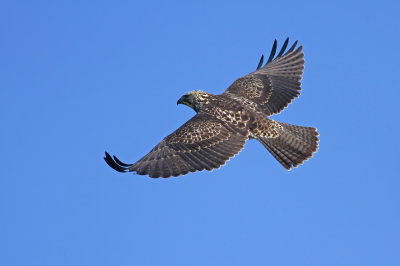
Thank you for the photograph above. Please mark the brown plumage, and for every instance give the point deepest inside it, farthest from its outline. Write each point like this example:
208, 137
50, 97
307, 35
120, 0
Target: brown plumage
224, 122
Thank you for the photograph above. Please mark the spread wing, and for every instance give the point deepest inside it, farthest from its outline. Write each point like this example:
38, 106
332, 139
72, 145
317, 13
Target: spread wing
276, 84
201, 143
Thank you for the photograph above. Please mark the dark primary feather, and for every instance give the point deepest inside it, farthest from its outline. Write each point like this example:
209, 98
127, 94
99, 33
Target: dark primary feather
277, 83
121, 163
117, 164
273, 51
283, 48
292, 48
261, 62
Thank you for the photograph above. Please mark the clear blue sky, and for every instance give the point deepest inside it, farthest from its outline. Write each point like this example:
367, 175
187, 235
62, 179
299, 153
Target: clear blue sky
79, 78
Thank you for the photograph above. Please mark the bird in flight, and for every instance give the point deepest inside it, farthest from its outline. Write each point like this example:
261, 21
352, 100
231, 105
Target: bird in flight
223, 123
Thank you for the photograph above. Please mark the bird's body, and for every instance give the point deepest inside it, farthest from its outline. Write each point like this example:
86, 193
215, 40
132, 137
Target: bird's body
224, 122
237, 112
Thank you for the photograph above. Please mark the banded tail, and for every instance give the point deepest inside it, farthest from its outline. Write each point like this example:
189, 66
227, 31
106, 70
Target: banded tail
294, 145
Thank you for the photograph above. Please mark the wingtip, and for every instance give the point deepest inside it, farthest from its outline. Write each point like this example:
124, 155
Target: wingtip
107, 156
292, 47
121, 163
283, 48
273, 51
261, 62
115, 163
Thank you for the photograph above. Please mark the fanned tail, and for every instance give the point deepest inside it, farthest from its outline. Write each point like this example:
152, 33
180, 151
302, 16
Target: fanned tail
294, 145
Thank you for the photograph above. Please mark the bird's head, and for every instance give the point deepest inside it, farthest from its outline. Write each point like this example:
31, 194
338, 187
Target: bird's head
195, 99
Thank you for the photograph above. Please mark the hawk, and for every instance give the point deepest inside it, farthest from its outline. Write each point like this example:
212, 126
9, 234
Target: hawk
223, 123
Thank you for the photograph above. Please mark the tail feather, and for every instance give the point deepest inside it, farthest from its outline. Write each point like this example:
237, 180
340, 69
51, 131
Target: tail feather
294, 145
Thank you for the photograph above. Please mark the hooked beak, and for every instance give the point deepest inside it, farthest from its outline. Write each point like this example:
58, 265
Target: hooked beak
180, 101
186, 100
